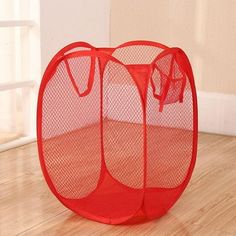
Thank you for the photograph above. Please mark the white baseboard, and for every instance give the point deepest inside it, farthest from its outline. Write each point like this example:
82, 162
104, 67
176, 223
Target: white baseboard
16, 143
217, 113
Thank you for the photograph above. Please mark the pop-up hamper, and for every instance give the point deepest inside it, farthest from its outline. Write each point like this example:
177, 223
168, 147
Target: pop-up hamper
117, 129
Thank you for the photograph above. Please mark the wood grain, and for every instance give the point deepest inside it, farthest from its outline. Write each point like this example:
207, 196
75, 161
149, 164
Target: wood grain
207, 207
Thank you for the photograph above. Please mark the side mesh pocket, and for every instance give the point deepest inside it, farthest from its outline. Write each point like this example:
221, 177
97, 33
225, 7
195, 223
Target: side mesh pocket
167, 80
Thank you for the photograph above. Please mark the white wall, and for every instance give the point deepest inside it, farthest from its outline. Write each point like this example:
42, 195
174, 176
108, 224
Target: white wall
205, 30
64, 22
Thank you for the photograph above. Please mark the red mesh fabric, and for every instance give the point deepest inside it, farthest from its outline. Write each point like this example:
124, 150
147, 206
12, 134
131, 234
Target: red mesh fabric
117, 129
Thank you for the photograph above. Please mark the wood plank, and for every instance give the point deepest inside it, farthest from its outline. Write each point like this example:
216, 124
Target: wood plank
207, 207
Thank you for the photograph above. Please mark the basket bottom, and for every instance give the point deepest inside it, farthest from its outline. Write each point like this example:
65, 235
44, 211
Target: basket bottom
114, 203
111, 202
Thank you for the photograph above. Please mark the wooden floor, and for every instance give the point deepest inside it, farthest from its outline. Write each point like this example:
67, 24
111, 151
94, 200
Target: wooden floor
207, 207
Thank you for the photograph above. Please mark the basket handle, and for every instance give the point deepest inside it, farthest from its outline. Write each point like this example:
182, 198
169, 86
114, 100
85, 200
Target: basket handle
90, 80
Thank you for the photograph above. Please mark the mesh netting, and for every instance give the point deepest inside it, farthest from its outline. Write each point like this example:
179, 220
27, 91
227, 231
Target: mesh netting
117, 129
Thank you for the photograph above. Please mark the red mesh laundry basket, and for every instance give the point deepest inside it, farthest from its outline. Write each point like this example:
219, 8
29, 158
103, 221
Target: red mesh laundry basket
117, 129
